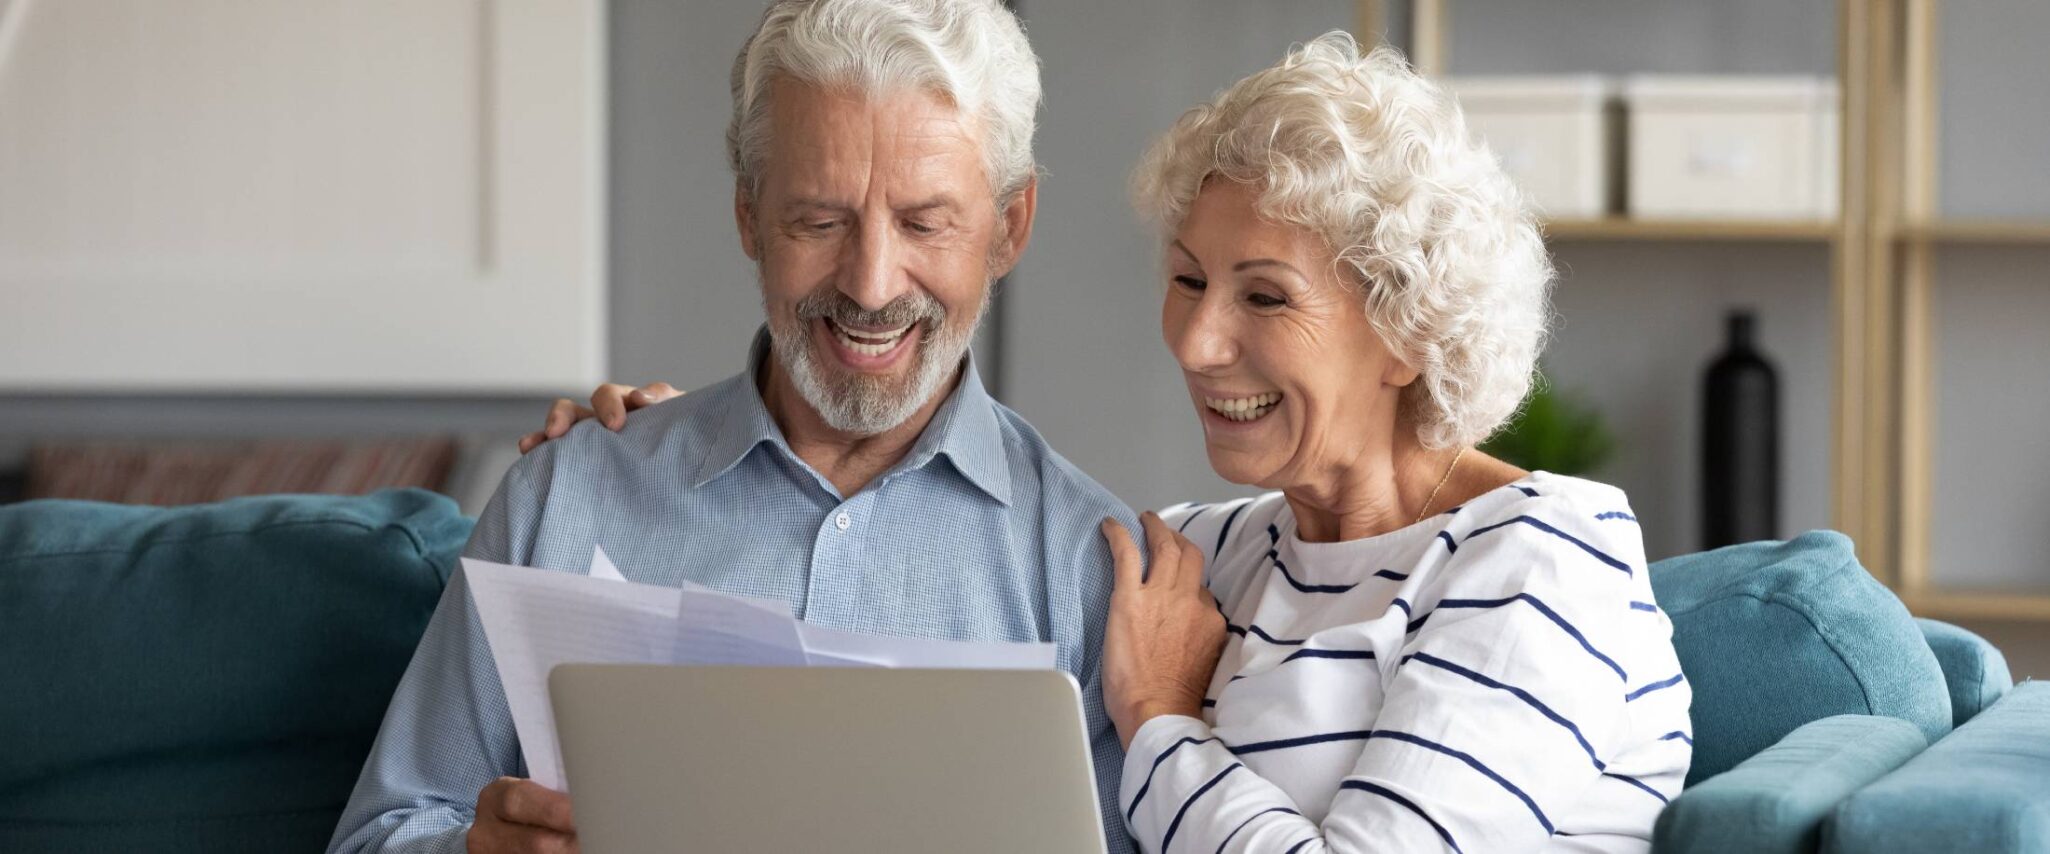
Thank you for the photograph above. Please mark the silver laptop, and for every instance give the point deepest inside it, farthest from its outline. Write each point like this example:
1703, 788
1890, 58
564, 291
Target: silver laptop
717, 759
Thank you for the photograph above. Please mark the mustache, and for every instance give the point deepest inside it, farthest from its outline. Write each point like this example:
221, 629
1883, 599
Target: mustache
833, 305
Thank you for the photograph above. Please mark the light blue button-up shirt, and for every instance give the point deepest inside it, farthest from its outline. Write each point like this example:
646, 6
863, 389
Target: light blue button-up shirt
981, 532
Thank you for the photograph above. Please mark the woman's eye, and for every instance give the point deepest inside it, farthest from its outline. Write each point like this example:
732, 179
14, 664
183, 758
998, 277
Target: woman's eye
1267, 301
1190, 282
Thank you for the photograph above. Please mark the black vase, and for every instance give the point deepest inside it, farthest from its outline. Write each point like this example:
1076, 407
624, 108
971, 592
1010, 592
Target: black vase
1740, 449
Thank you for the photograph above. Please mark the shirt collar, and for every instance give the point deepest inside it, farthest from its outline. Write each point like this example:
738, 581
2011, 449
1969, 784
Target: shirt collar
965, 430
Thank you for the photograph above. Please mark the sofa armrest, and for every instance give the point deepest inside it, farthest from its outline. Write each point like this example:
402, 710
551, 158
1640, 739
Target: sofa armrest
1777, 800
1974, 670
1980, 789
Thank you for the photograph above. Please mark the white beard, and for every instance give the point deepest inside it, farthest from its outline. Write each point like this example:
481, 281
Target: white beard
864, 405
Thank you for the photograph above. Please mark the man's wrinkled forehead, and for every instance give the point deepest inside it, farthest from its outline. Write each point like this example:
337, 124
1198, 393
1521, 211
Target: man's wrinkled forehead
829, 142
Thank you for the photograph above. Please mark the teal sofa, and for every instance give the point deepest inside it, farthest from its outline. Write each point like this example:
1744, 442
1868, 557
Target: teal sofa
209, 679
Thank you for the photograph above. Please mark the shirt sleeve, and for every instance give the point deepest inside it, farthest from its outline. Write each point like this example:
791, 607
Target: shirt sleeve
448, 732
1094, 577
1501, 712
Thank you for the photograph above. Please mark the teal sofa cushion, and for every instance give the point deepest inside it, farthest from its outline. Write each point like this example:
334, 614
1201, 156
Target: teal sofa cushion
1776, 802
1973, 670
1773, 635
204, 678
1984, 788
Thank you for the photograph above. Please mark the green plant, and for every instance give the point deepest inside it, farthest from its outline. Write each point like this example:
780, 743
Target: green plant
1555, 432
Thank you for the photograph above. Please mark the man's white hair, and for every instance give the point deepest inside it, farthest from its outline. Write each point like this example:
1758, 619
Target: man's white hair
972, 52
1377, 161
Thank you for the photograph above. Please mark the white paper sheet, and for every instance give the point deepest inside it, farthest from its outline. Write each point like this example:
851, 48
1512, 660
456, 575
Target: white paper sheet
537, 619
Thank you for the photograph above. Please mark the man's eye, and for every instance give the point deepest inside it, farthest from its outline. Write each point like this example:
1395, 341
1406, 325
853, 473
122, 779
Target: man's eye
920, 228
1267, 301
823, 225
1190, 282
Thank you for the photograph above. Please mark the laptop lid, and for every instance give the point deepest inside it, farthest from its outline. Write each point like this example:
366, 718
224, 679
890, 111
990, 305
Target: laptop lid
712, 759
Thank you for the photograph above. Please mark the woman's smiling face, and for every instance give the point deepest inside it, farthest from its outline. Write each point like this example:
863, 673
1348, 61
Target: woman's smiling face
1290, 380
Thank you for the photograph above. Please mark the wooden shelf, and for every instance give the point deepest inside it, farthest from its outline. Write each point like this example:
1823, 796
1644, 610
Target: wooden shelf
2018, 232
1961, 605
1739, 230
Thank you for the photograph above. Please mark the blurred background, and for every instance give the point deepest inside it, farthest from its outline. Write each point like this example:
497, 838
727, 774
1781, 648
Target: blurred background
268, 245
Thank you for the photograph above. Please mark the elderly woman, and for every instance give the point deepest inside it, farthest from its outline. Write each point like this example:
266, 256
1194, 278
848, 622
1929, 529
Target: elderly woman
1406, 645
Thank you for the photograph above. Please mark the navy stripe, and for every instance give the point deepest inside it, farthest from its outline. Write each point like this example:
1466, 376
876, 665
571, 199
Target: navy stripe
1134, 809
1542, 609
1352, 654
1471, 762
1640, 784
1525, 490
1604, 558
1225, 531
1371, 788
1616, 514
1400, 603
1663, 683
1263, 635
1392, 574
1184, 811
1192, 517
1299, 741
1520, 694
1679, 735
1306, 588
1209, 703
1249, 820
1450, 546
1234, 628
1292, 849
1644, 606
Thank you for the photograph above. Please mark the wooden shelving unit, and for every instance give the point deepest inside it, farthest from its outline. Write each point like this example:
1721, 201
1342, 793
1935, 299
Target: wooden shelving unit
1882, 249
1980, 232
1625, 228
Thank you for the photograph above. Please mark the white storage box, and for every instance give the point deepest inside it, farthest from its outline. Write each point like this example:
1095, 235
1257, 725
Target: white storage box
1551, 134
1732, 147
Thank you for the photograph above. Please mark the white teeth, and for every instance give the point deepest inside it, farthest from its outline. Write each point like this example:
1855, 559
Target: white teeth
869, 343
1244, 408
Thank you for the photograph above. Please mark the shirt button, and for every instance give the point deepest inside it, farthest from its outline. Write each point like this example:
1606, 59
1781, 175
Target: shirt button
842, 521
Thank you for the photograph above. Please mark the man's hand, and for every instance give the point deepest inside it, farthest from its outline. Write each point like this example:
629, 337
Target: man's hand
518, 816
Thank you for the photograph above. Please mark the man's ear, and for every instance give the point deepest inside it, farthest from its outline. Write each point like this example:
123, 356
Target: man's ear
744, 219
1017, 219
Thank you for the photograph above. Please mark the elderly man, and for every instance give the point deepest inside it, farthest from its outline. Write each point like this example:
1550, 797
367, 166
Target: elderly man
857, 469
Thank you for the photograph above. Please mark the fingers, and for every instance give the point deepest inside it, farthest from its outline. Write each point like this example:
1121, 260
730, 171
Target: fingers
608, 403
1165, 549
1124, 554
650, 394
527, 802
532, 440
1192, 562
563, 415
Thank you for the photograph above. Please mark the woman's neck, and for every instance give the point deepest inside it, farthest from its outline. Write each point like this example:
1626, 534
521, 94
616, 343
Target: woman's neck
1385, 491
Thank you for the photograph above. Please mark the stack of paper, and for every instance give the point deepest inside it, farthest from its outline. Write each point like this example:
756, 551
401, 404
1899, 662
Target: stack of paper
536, 619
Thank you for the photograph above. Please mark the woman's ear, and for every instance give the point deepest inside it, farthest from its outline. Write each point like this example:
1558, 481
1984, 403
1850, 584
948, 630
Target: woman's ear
1398, 373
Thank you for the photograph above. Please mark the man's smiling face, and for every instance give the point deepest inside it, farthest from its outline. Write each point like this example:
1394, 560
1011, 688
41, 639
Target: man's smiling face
877, 241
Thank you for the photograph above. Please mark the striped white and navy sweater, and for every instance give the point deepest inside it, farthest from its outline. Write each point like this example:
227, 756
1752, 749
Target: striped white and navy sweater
1494, 678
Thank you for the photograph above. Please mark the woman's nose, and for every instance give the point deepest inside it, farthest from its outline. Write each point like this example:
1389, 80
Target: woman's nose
1207, 339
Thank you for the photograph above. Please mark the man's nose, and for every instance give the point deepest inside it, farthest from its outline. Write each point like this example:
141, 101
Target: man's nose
876, 273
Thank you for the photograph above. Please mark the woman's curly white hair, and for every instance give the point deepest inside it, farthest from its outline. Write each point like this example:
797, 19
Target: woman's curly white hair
1378, 161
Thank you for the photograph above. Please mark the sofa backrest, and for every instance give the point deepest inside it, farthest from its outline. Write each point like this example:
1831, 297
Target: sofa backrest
1773, 635
205, 678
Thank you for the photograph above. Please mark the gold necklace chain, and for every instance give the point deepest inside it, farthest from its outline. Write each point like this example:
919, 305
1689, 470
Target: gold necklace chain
1441, 485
